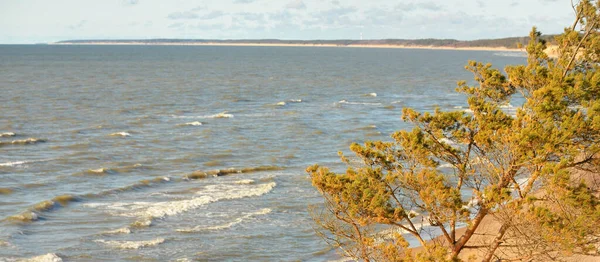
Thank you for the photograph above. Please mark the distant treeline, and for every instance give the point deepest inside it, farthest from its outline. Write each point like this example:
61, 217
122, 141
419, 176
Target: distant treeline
509, 42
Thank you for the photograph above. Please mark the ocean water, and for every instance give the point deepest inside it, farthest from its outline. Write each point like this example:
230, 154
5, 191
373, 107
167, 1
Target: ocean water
194, 153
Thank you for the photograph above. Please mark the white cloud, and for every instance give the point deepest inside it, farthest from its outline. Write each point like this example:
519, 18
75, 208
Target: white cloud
296, 4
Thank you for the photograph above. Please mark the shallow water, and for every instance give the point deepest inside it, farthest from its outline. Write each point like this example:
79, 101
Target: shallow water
125, 152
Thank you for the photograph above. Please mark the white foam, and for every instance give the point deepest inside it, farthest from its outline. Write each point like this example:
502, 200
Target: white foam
358, 103
372, 94
121, 134
101, 170
7, 134
131, 244
238, 220
195, 123
222, 115
296, 100
281, 103
15, 163
50, 257
30, 140
209, 194
244, 182
123, 230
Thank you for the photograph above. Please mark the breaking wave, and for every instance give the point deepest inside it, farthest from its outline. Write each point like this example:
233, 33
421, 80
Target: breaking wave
223, 114
210, 194
121, 134
222, 172
32, 213
131, 244
50, 257
7, 134
15, 163
358, 103
195, 123
238, 220
123, 230
23, 141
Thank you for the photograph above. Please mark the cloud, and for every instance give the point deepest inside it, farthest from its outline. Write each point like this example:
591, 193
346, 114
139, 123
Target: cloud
212, 15
130, 2
243, 1
78, 25
429, 6
296, 4
176, 25
183, 15
251, 16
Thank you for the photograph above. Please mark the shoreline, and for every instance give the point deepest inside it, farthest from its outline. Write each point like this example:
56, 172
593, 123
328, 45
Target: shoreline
503, 49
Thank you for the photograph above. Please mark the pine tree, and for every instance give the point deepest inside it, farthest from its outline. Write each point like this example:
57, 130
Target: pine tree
517, 170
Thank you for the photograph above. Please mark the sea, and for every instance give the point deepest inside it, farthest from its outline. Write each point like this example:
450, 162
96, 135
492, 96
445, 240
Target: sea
195, 153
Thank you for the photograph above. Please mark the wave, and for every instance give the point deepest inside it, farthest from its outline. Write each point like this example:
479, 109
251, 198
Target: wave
358, 103
123, 230
101, 170
113, 170
223, 114
244, 182
222, 172
18, 163
27, 141
238, 220
121, 134
7, 134
295, 100
5, 191
15, 163
50, 257
32, 213
280, 104
131, 244
210, 194
371, 94
141, 184
23, 217
195, 123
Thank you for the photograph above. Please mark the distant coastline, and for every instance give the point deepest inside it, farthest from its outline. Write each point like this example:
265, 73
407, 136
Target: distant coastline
475, 48
500, 44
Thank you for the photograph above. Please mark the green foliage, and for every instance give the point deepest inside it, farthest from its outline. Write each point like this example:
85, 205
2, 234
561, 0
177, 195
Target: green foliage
372, 209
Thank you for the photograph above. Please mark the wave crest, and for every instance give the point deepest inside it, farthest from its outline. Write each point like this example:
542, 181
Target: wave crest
131, 244
238, 220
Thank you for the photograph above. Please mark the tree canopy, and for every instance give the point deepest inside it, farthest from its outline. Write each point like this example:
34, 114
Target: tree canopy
518, 169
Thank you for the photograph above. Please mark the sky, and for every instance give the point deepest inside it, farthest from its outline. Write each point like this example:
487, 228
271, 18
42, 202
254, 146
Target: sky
45, 21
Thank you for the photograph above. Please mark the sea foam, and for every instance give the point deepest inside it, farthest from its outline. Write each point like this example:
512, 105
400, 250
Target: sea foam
210, 194
50, 257
131, 244
121, 134
238, 220
7, 134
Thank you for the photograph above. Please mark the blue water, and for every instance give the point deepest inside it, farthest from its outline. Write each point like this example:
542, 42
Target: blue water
120, 132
